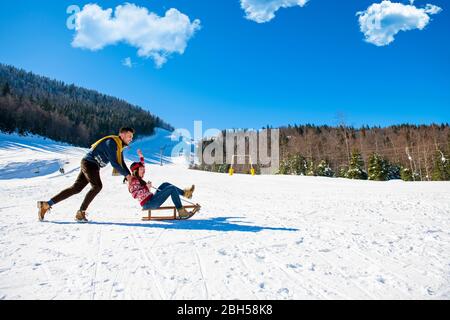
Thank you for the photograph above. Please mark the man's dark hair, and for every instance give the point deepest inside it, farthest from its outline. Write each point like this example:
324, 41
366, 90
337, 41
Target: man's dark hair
127, 129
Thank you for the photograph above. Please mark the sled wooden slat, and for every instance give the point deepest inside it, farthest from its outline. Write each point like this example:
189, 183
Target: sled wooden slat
174, 216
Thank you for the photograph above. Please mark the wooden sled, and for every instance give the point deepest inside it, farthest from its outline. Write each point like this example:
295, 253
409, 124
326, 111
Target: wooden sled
196, 208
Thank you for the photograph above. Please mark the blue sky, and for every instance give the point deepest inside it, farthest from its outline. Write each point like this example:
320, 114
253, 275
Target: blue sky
306, 65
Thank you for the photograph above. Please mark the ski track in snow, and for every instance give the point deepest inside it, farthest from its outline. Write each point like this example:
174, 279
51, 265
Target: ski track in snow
262, 237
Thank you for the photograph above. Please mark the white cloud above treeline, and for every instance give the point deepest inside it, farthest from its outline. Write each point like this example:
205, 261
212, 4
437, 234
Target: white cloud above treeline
382, 21
262, 11
155, 37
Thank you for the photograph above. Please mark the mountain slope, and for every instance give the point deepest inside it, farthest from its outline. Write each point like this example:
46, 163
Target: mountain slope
51, 108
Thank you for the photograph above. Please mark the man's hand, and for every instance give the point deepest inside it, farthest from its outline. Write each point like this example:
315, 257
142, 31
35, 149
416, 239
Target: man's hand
139, 152
128, 177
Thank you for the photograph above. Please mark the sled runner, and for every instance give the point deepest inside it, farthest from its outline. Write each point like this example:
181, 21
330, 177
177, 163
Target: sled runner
195, 207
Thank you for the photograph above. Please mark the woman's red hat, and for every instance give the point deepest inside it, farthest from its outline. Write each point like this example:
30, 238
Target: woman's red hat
135, 166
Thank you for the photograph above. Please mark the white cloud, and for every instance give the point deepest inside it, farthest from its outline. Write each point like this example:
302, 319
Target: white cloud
431, 9
382, 21
155, 37
127, 62
264, 10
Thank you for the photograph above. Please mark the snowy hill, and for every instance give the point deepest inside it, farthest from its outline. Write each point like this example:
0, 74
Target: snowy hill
31, 156
261, 237
157, 147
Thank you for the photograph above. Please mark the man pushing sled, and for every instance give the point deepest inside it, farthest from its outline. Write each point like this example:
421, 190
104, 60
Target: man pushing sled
106, 150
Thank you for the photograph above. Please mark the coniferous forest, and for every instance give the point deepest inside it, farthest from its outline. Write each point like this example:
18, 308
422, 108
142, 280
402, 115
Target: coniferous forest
34, 104
407, 152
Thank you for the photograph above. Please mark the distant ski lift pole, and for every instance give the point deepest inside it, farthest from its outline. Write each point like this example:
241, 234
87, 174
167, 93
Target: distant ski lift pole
192, 153
161, 150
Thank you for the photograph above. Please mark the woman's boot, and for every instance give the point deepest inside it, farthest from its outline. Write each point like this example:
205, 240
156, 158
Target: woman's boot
183, 213
188, 192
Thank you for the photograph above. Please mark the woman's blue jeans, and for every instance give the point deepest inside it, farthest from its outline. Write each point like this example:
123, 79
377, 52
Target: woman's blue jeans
165, 191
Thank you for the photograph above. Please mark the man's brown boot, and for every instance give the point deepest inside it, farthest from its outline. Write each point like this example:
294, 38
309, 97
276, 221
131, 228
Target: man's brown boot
43, 207
81, 216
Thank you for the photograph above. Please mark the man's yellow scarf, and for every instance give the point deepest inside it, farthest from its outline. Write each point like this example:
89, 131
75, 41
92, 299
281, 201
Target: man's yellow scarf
120, 148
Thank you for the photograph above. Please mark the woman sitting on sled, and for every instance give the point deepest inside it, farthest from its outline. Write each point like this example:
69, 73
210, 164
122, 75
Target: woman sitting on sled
140, 190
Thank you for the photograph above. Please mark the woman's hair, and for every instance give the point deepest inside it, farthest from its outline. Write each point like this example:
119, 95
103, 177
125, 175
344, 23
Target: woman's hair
135, 174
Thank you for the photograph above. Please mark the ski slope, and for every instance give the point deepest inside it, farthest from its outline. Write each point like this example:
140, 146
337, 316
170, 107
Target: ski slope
261, 237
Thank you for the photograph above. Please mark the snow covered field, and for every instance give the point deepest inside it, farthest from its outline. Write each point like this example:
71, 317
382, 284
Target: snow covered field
261, 237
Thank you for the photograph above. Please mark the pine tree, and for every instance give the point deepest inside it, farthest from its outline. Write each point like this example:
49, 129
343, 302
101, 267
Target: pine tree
298, 165
441, 167
394, 172
310, 169
284, 167
356, 167
324, 170
342, 173
47, 107
406, 174
378, 168
6, 90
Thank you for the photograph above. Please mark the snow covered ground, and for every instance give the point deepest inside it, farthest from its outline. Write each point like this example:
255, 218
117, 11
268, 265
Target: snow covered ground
261, 237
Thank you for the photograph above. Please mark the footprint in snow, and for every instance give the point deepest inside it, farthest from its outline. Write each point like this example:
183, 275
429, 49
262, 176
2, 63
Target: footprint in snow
380, 279
283, 291
294, 266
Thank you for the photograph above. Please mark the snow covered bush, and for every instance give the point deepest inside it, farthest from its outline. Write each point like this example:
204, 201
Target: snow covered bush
294, 164
323, 169
378, 168
406, 174
356, 167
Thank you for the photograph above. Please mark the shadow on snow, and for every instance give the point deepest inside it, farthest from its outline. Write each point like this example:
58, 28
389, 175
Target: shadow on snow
214, 224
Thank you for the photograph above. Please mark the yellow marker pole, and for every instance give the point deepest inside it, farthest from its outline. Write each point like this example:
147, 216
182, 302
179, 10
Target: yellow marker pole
252, 170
